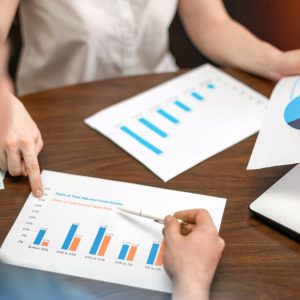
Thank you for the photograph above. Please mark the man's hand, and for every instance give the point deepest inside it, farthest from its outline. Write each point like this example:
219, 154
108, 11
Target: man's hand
191, 253
21, 144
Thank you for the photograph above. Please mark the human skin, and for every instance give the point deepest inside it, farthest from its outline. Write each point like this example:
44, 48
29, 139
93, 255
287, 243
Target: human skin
228, 43
211, 30
22, 141
4, 107
191, 253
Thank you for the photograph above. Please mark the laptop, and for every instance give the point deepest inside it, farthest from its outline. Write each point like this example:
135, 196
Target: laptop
279, 206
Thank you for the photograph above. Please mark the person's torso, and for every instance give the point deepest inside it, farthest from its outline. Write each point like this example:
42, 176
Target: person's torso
73, 41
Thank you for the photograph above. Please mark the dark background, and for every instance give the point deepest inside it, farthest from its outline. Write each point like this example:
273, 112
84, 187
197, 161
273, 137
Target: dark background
275, 21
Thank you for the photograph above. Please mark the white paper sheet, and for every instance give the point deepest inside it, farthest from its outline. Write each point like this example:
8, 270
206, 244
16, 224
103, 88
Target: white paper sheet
278, 142
2, 176
82, 210
184, 121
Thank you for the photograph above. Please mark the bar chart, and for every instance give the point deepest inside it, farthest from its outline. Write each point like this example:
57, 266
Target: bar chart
39, 240
185, 120
183, 106
72, 240
101, 242
77, 229
128, 252
180, 105
155, 255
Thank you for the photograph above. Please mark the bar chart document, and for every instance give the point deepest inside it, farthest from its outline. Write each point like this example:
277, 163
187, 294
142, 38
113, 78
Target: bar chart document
178, 124
278, 142
77, 229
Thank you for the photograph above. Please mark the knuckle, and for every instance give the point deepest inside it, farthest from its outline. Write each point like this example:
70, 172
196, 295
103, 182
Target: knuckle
32, 167
205, 213
25, 141
11, 143
202, 213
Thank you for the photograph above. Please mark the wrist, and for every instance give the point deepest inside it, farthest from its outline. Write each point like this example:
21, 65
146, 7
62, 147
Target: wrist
189, 289
272, 63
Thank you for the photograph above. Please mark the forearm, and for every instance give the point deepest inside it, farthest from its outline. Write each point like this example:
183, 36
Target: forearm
6, 82
229, 43
8, 10
225, 41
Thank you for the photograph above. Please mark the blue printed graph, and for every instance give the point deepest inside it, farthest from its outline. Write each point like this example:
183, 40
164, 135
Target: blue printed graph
153, 127
183, 107
167, 116
292, 113
140, 140
197, 96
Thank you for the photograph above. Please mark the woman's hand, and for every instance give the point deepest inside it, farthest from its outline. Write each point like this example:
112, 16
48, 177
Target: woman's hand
287, 63
21, 144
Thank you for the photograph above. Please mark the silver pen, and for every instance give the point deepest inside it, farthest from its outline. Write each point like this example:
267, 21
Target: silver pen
148, 215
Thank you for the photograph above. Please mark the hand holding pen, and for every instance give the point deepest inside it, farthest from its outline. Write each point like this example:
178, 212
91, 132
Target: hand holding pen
192, 250
191, 253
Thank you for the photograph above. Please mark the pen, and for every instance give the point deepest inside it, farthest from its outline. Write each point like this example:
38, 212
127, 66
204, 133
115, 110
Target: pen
148, 215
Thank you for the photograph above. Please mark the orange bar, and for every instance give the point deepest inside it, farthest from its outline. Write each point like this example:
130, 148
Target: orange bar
131, 254
104, 245
75, 244
45, 243
159, 256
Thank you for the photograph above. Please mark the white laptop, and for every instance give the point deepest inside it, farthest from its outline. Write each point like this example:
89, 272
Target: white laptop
280, 204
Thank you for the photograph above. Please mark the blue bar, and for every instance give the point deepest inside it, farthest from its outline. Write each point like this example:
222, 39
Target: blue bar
39, 237
197, 96
152, 254
141, 140
123, 252
153, 127
98, 240
167, 116
210, 86
69, 237
182, 106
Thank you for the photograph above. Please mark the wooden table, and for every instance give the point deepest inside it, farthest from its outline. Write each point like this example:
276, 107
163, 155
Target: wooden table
258, 262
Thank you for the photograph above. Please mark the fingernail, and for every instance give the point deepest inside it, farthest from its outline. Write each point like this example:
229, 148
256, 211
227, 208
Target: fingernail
38, 193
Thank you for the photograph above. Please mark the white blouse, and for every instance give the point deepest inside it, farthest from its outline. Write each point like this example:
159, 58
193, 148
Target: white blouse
73, 41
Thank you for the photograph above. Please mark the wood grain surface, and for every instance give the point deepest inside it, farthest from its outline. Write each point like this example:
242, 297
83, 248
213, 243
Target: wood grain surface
258, 262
